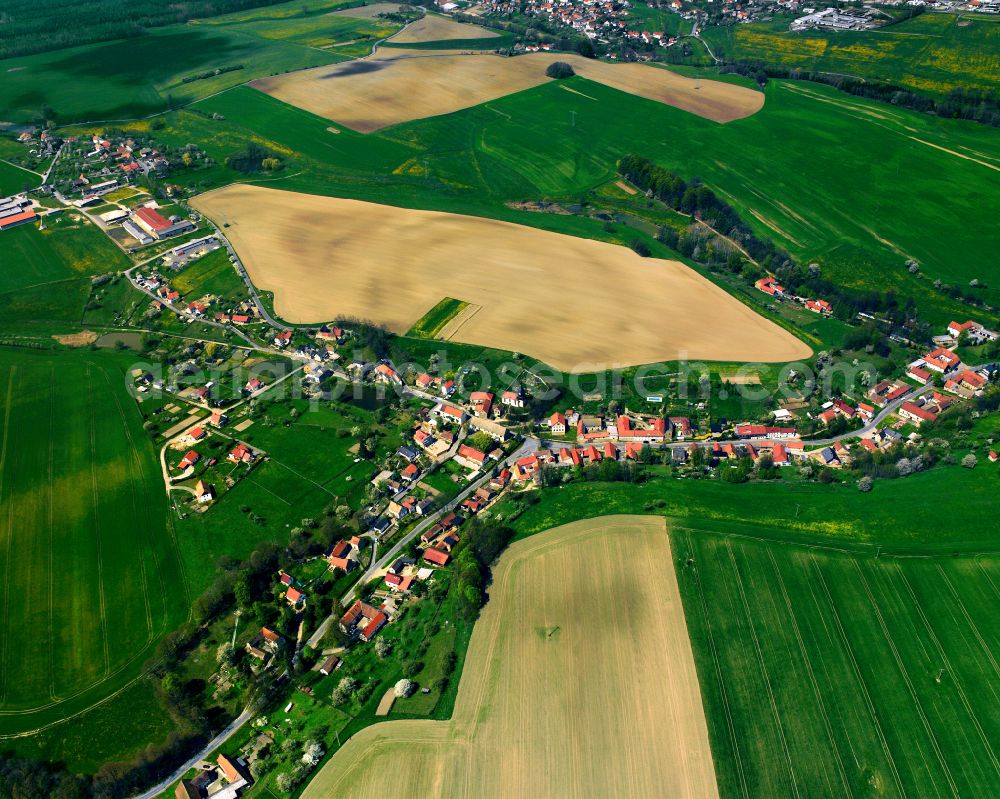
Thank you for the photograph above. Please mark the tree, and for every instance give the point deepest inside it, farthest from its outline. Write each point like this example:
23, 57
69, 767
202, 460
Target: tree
970, 461
285, 782
865, 484
344, 690
313, 753
383, 647
559, 70
403, 688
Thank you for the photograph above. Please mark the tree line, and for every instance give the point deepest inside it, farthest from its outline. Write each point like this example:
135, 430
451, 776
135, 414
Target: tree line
976, 105
39, 27
699, 201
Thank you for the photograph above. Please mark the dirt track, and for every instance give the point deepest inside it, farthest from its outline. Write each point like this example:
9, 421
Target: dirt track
396, 85
583, 686
577, 304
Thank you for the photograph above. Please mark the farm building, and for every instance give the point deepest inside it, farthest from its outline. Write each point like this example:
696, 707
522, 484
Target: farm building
158, 226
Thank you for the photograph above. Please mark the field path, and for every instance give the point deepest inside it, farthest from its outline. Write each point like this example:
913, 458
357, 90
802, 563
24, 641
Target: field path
583, 686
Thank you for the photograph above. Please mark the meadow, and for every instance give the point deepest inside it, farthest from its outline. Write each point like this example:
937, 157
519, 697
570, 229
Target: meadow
431, 323
91, 573
932, 53
535, 718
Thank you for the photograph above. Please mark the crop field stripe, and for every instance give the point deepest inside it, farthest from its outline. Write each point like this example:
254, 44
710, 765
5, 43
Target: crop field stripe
952, 671
136, 514
51, 534
943, 709
804, 653
815, 761
968, 618
8, 535
906, 679
97, 526
763, 668
849, 649
723, 693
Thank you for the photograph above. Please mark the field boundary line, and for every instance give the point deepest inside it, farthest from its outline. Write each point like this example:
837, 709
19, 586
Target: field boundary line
986, 574
947, 661
812, 675
268, 490
857, 673
730, 725
906, 679
5, 627
95, 493
763, 668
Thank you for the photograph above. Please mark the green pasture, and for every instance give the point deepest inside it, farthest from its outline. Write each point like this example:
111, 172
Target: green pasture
210, 274
932, 53
92, 577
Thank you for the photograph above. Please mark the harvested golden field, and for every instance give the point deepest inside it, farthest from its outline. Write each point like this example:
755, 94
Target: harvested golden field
577, 304
395, 85
434, 28
581, 686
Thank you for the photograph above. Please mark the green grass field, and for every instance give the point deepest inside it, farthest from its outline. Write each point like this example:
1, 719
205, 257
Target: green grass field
431, 323
49, 288
91, 573
819, 669
210, 274
135, 77
932, 53
13, 179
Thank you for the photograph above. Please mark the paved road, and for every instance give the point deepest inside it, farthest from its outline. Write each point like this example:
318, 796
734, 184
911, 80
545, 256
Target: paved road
241, 270
215, 743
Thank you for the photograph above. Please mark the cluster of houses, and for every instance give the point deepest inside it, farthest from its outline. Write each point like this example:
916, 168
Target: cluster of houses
770, 286
596, 19
625, 427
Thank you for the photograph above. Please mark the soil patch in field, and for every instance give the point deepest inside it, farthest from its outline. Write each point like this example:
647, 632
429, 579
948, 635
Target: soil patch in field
577, 304
582, 686
82, 339
394, 86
